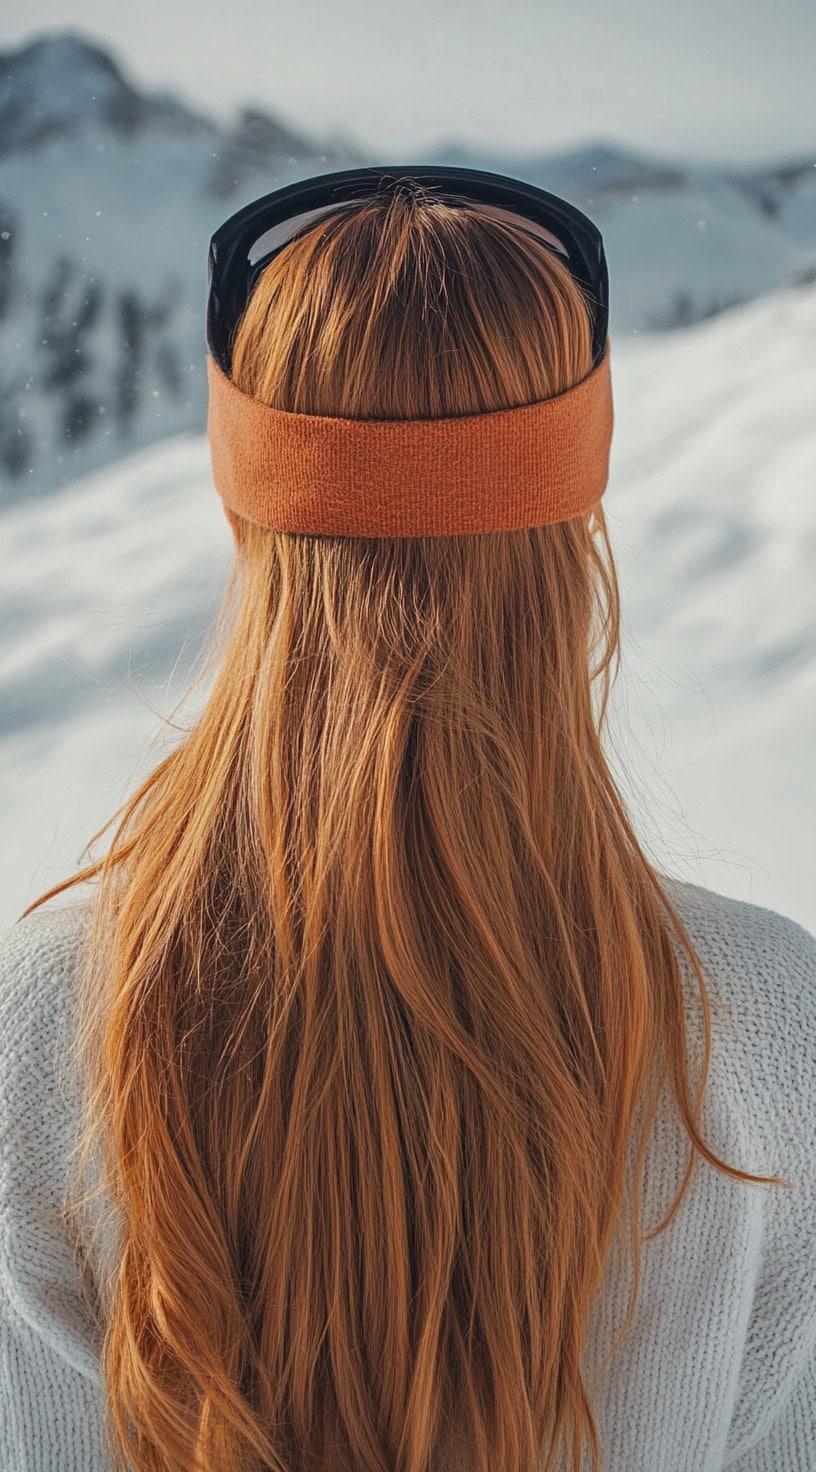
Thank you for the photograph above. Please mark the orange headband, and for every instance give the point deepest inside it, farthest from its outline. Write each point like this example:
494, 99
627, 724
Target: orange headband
498, 471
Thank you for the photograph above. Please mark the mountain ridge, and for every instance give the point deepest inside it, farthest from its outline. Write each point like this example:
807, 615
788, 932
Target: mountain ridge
109, 194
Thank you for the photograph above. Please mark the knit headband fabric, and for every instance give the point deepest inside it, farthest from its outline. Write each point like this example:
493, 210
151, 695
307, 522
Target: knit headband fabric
497, 471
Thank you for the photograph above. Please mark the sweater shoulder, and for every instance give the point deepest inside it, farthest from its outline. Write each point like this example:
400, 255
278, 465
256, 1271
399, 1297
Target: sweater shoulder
39, 1273
39, 959
759, 968
759, 1115
755, 953
39, 956
53, 931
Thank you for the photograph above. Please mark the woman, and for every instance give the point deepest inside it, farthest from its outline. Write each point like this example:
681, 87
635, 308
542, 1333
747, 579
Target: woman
386, 1040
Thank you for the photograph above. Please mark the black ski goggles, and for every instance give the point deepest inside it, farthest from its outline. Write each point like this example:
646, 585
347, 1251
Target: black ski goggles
244, 245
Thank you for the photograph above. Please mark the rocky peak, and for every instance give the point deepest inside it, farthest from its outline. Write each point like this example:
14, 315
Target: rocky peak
60, 83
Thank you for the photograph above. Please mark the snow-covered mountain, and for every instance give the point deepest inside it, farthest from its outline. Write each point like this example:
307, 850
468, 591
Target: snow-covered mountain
684, 241
108, 198
713, 518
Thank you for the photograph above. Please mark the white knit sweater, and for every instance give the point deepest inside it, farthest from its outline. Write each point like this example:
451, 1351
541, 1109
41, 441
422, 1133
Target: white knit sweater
719, 1366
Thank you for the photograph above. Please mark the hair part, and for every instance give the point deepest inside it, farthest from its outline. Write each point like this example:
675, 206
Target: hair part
380, 979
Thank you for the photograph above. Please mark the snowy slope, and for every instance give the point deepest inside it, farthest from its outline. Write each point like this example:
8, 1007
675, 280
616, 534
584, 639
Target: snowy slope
713, 516
108, 198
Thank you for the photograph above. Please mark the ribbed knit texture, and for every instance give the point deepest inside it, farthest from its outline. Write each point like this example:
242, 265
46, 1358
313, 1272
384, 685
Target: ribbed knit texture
497, 471
719, 1367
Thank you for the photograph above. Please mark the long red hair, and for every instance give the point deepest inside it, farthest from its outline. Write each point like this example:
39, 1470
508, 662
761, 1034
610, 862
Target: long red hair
379, 979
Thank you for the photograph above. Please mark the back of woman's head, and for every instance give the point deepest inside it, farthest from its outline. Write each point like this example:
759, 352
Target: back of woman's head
379, 972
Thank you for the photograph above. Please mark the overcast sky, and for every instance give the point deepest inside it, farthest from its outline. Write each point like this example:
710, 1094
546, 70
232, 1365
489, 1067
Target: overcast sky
710, 79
